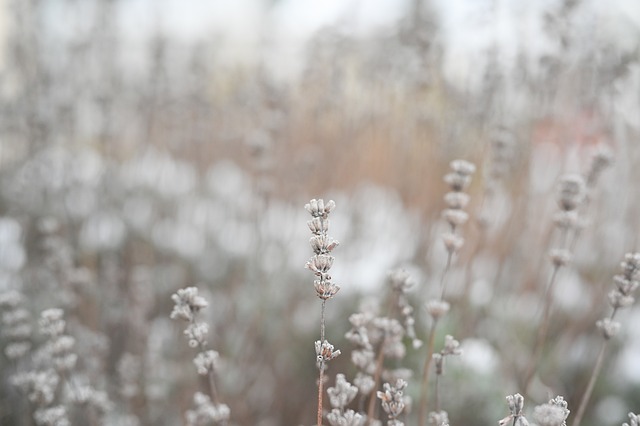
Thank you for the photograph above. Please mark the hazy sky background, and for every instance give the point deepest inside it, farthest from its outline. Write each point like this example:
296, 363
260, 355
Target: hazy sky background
255, 31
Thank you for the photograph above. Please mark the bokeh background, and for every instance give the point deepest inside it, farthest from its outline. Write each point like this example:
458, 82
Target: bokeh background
149, 145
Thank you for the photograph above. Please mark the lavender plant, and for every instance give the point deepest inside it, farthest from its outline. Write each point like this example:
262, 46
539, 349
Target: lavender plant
451, 347
320, 264
571, 194
378, 338
208, 408
620, 297
458, 180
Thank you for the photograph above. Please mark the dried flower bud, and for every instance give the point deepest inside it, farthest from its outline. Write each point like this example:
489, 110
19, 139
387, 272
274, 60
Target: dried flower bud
342, 393
631, 265
318, 226
325, 289
618, 300
438, 361
317, 208
452, 242
567, 219
187, 303
320, 264
206, 361
437, 308
455, 218
325, 351
572, 191
52, 322
608, 327
392, 398
365, 383
625, 286
347, 418
456, 181
516, 404
554, 413
456, 200
323, 244
439, 418
451, 346
560, 257
602, 159
463, 167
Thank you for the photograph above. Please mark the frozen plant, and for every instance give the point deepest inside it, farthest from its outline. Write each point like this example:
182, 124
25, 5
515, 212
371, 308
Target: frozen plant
451, 347
620, 297
456, 200
188, 303
320, 264
571, 195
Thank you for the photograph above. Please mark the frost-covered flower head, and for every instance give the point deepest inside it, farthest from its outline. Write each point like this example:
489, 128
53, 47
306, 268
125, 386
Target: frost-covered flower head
553, 413
392, 398
187, 303
342, 393
515, 418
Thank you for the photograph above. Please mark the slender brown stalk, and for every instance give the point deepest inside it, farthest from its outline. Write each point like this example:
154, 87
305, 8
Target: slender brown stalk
541, 337
424, 389
592, 382
376, 380
321, 367
320, 382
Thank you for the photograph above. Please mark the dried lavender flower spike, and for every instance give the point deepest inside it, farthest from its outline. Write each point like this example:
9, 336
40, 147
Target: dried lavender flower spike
634, 420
